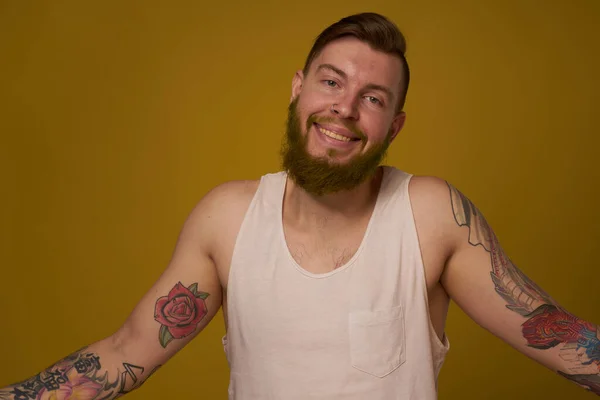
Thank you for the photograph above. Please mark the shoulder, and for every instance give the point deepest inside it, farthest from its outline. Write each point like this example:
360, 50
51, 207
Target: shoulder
221, 210
431, 199
431, 202
440, 209
226, 200
230, 194
428, 191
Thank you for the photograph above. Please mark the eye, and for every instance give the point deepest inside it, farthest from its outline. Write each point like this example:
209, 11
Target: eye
330, 83
374, 100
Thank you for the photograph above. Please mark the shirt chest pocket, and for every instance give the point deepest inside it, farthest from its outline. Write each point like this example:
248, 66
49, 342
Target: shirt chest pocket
377, 340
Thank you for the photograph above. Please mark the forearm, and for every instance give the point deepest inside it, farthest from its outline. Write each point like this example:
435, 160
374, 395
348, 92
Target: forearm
94, 372
577, 341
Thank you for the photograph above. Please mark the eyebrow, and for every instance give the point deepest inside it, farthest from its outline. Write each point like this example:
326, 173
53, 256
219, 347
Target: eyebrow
332, 68
370, 86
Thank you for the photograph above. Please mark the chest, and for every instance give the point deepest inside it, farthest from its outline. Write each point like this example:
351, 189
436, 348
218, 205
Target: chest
324, 248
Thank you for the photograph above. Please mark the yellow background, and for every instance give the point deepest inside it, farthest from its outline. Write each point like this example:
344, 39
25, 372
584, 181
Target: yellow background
116, 117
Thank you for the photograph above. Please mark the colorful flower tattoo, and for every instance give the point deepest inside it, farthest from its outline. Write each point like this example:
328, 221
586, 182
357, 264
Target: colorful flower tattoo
180, 312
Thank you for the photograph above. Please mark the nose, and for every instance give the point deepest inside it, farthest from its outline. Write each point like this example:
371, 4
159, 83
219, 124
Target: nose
345, 108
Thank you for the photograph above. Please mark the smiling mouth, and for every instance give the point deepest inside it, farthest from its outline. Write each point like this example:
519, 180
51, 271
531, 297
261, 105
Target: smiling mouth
335, 136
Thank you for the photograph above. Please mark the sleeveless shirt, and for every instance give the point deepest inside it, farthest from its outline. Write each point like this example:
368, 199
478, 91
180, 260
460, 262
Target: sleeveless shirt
361, 331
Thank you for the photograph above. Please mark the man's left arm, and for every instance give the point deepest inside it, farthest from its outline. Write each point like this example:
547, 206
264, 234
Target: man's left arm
483, 281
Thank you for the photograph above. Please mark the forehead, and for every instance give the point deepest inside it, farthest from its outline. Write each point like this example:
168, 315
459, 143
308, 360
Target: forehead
360, 62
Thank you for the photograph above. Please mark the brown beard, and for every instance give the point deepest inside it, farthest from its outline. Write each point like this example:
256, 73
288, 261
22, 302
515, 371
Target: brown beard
318, 175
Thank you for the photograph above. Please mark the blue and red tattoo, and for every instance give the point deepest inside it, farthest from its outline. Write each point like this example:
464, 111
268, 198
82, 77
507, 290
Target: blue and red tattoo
547, 325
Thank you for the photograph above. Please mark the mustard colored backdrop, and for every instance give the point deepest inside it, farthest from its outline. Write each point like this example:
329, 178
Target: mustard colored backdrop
117, 116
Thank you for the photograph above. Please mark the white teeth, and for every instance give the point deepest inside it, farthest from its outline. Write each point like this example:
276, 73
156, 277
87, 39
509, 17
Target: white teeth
334, 135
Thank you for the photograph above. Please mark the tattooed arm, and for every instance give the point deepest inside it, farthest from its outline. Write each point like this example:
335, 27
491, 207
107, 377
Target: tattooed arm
85, 374
484, 282
179, 305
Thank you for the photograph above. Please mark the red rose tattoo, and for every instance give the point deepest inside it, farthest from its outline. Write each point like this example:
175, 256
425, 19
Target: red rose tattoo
180, 312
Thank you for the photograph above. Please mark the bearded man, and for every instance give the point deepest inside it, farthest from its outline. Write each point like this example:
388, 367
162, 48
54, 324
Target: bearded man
335, 274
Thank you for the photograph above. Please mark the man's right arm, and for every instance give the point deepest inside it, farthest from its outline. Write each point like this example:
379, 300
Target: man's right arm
178, 306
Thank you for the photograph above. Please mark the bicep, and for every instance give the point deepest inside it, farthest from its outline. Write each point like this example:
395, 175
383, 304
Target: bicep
180, 303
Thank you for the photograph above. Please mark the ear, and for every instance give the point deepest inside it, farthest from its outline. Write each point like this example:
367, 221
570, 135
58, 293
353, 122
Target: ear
397, 124
297, 81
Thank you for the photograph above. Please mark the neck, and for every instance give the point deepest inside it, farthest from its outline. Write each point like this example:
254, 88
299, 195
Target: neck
304, 207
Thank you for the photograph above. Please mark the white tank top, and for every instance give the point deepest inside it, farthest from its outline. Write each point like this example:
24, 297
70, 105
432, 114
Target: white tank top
361, 331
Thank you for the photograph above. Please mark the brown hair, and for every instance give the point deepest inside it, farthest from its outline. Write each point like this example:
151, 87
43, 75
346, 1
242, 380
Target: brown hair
374, 29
